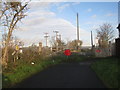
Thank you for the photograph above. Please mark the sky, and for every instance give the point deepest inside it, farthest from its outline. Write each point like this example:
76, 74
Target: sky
47, 17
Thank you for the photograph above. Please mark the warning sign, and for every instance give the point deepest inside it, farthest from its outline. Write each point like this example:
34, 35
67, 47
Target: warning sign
67, 52
17, 47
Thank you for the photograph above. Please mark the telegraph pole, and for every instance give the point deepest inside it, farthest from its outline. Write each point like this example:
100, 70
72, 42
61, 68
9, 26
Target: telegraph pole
46, 37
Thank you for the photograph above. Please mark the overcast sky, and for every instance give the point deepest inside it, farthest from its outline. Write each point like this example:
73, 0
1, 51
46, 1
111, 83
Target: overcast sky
61, 16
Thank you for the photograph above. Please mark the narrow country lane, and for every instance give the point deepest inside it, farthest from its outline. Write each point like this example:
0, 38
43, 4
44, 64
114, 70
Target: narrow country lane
65, 75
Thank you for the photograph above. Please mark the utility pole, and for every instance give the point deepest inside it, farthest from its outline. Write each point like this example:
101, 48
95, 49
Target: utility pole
46, 37
56, 39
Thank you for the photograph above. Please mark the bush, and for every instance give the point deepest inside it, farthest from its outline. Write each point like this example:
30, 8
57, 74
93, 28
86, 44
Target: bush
22, 68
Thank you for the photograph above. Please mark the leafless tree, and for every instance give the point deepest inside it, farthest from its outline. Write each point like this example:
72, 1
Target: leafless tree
105, 33
53, 42
73, 44
60, 43
12, 42
11, 14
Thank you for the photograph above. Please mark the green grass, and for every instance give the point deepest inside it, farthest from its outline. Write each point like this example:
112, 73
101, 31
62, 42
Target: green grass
23, 70
107, 71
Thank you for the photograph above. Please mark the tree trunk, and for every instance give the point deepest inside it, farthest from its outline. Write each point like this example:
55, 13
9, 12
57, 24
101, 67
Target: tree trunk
5, 54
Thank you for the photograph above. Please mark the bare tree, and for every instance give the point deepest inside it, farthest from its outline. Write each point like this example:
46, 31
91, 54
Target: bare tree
4, 38
11, 14
53, 42
73, 44
60, 42
105, 33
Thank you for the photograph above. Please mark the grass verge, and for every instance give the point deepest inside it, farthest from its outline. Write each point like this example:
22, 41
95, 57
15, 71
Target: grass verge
107, 71
24, 70
14, 75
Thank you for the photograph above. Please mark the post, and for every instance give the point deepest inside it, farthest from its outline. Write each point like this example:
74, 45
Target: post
40, 48
67, 58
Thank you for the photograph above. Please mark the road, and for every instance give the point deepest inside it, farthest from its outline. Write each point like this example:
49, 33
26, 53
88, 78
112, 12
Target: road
64, 75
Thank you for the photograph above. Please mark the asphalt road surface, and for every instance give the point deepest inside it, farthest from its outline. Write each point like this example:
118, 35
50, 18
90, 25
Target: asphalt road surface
65, 75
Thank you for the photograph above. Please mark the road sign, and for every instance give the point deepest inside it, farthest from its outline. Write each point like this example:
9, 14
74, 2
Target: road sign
17, 47
98, 51
67, 52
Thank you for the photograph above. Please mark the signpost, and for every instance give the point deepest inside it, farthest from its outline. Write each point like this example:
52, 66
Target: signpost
67, 52
15, 53
17, 47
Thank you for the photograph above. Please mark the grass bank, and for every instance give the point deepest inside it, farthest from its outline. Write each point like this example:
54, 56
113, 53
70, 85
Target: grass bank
15, 74
107, 71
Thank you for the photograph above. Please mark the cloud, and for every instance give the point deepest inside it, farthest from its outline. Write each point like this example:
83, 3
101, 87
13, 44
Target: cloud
75, 3
89, 10
39, 5
37, 17
40, 21
35, 27
109, 14
50, 0
68, 0
60, 8
94, 16
34, 33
